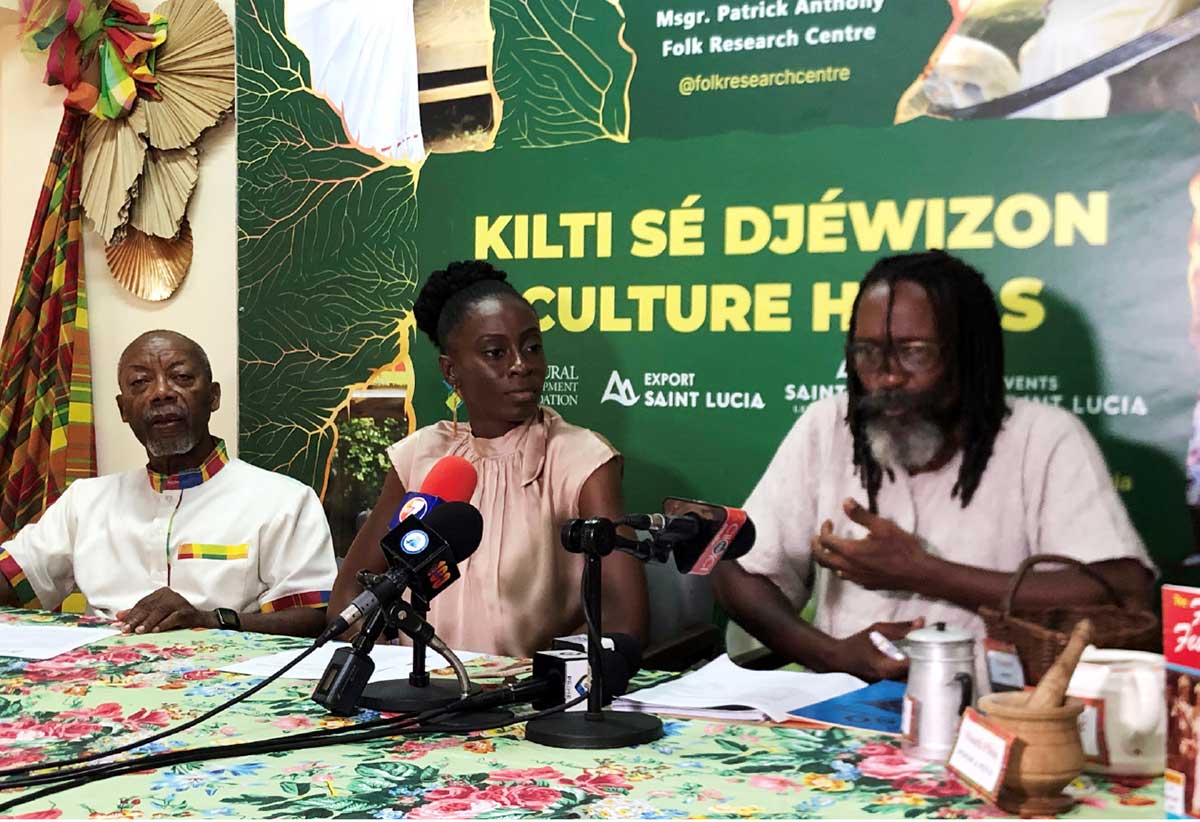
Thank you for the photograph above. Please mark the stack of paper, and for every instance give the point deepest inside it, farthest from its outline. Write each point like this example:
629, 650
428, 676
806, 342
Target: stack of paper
47, 641
722, 690
391, 662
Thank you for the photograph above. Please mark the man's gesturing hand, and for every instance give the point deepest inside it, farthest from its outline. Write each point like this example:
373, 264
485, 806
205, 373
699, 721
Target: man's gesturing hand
888, 558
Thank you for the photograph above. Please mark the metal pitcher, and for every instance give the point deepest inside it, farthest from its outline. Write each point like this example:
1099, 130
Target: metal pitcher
941, 685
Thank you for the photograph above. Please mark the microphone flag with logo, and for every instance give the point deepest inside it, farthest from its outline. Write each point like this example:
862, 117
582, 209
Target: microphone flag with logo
452, 479
430, 548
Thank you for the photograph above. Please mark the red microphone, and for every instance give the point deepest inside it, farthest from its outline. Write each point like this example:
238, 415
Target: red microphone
452, 479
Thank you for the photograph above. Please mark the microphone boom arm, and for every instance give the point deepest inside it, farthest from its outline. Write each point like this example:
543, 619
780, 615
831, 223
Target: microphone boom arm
647, 550
599, 536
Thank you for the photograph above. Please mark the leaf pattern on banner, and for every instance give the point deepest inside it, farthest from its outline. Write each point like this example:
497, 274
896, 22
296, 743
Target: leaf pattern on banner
563, 69
327, 269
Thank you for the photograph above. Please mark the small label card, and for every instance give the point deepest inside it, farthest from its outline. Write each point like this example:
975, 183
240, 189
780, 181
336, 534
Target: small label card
1004, 665
980, 754
1173, 788
1091, 729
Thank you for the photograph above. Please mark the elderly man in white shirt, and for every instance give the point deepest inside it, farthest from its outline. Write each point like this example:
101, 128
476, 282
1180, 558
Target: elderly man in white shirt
960, 486
195, 539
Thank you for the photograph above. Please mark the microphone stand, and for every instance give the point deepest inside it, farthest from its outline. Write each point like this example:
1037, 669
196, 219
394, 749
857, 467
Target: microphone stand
419, 692
344, 689
595, 727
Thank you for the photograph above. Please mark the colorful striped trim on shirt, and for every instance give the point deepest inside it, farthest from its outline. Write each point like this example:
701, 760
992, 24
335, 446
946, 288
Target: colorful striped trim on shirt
312, 599
192, 477
16, 578
199, 550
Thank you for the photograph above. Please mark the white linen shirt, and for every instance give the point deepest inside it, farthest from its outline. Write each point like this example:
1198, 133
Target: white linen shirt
244, 538
1045, 490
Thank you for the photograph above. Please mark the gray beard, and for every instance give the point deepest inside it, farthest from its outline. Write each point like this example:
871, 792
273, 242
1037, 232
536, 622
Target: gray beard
911, 444
172, 446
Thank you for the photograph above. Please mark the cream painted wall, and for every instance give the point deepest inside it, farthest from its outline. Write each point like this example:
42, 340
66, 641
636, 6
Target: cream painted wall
204, 307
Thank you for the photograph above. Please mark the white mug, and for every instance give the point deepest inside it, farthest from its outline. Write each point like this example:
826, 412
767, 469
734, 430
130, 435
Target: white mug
1135, 724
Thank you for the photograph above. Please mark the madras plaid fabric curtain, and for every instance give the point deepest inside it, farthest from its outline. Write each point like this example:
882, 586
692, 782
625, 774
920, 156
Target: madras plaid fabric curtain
47, 439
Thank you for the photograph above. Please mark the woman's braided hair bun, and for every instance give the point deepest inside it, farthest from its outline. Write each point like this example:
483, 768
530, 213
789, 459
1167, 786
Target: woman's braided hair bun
448, 293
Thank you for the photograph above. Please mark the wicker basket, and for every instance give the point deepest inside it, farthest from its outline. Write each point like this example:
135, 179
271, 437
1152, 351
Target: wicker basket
1040, 635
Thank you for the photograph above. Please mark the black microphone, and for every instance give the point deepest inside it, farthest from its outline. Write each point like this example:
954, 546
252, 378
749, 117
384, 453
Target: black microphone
700, 536
648, 522
384, 588
620, 664
561, 675
423, 555
431, 549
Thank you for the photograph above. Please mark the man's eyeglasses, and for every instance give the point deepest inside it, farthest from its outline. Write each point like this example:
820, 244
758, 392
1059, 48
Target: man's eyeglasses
914, 357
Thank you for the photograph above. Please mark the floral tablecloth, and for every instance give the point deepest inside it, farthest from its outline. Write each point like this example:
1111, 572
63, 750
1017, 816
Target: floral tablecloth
115, 690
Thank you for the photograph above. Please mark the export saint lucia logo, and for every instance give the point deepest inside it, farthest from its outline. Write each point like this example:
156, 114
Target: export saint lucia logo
620, 390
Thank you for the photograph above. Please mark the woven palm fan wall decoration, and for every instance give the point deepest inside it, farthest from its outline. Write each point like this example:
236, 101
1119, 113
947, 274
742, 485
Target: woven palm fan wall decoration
153, 84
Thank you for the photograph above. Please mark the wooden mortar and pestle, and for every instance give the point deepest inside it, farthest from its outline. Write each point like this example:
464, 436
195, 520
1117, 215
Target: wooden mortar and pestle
1047, 754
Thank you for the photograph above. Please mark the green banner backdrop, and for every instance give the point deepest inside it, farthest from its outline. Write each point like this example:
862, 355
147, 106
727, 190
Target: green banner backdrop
689, 194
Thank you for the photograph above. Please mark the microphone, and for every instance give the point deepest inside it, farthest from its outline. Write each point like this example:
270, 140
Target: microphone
685, 526
562, 675
567, 675
700, 535
430, 549
423, 554
451, 479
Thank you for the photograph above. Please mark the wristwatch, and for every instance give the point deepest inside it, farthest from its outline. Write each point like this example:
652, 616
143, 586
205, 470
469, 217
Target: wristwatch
228, 619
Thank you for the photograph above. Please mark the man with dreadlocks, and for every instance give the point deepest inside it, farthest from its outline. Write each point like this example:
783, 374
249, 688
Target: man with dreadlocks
960, 485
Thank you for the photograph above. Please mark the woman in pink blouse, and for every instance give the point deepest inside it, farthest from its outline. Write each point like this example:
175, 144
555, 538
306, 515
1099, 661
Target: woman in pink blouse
521, 587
